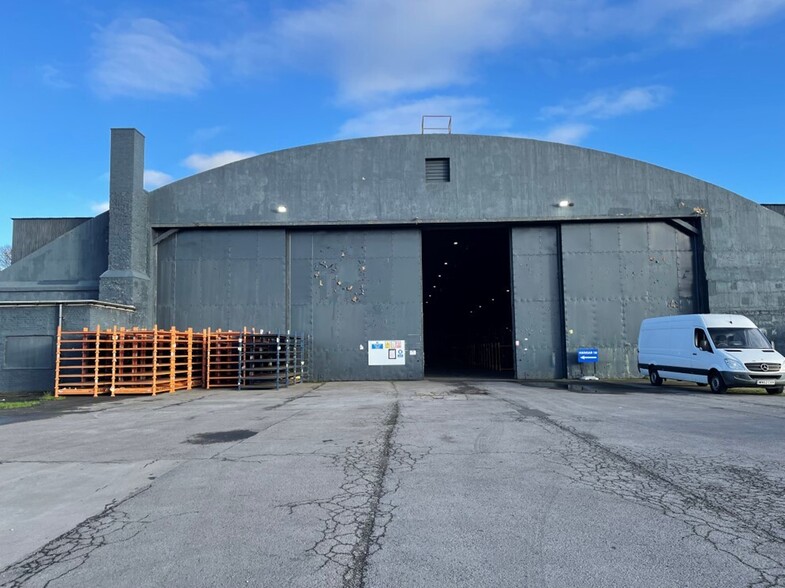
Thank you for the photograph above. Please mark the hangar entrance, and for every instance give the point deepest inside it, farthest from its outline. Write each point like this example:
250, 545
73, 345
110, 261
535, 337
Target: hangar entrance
467, 308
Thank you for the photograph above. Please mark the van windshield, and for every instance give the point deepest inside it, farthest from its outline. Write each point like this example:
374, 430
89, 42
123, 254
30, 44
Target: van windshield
737, 338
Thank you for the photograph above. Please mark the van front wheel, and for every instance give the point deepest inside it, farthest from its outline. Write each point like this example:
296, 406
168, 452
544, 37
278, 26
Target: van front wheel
654, 377
777, 390
716, 383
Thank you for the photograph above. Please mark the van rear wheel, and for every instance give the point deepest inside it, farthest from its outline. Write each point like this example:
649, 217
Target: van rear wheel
777, 390
654, 377
716, 383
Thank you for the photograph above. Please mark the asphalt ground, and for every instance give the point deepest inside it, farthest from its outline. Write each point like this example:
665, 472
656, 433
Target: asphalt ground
376, 484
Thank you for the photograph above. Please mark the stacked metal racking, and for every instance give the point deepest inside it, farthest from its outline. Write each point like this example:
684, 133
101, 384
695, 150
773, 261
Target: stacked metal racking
83, 362
271, 360
221, 359
155, 361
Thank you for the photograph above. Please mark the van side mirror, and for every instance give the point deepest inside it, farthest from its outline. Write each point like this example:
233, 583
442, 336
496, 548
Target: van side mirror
705, 346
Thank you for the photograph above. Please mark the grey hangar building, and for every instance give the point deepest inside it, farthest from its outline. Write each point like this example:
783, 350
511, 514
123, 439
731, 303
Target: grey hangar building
451, 244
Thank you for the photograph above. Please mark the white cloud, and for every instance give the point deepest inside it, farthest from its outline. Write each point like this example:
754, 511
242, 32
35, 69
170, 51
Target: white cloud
200, 162
671, 21
470, 115
385, 49
605, 105
155, 179
390, 47
683, 20
736, 14
570, 133
143, 58
99, 207
53, 77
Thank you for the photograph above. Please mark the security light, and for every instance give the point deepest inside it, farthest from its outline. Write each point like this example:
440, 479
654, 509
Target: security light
280, 209
565, 203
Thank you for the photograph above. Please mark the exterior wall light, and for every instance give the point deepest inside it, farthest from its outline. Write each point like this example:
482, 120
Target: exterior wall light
565, 204
280, 209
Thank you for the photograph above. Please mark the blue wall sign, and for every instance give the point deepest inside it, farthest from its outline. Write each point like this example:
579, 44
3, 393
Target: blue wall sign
588, 355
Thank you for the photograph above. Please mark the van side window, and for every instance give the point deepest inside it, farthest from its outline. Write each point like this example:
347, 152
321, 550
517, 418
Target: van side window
702, 341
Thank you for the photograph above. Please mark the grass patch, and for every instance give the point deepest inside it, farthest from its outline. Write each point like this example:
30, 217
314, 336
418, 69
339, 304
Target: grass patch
12, 404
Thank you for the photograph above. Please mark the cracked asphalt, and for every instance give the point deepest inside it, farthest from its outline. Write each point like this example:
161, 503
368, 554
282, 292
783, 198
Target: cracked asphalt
377, 484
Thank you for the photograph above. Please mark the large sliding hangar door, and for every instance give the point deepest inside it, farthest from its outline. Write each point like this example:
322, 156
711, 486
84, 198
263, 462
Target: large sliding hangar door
344, 288
349, 288
591, 284
573, 285
222, 278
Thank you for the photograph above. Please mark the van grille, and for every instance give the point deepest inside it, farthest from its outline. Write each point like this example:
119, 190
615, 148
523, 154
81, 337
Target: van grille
758, 367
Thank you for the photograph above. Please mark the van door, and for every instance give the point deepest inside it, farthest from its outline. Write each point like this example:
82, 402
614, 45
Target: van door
702, 356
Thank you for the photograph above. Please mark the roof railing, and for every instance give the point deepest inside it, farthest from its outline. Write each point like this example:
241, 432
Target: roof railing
436, 124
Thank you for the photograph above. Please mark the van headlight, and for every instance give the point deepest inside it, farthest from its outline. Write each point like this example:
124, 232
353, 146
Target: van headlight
734, 364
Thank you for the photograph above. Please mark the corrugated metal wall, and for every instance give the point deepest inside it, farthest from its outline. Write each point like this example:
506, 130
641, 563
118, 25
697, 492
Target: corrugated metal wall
30, 234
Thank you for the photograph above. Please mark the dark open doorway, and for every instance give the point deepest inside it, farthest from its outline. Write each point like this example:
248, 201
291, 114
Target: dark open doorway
467, 302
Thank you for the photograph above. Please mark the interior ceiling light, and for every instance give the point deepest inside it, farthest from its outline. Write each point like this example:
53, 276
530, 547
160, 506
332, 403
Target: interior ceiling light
455, 242
565, 203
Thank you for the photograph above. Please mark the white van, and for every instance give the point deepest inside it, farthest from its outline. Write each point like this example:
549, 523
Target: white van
721, 350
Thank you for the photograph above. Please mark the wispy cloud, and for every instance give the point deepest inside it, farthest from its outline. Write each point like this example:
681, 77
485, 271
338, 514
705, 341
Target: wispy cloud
610, 104
736, 14
142, 58
99, 207
569, 133
155, 179
397, 46
471, 114
200, 162
390, 48
53, 77
680, 20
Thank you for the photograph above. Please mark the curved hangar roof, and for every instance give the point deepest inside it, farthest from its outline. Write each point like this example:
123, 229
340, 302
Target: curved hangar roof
383, 180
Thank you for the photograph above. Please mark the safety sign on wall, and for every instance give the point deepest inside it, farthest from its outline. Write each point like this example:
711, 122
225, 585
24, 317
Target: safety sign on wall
387, 352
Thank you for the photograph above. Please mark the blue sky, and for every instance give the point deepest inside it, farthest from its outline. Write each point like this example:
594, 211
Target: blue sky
697, 86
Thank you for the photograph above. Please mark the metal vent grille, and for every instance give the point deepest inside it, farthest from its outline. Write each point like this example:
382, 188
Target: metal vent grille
437, 169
